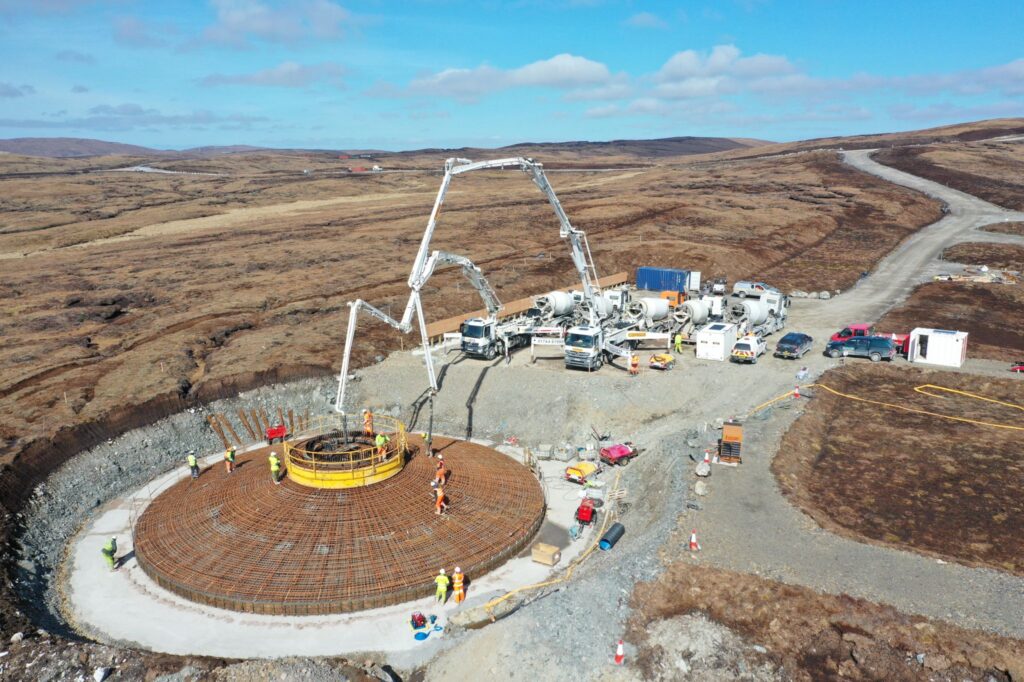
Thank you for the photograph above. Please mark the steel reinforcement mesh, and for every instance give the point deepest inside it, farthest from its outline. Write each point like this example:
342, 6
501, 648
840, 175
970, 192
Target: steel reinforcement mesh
241, 542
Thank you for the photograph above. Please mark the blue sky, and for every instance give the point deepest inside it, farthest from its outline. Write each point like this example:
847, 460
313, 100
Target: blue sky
403, 75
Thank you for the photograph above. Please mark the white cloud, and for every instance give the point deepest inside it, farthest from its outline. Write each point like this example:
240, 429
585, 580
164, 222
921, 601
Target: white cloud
75, 56
563, 71
284, 75
131, 116
948, 111
133, 32
723, 71
10, 90
646, 20
239, 22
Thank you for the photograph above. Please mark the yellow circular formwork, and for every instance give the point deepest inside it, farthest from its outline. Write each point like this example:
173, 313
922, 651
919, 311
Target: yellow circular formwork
352, 468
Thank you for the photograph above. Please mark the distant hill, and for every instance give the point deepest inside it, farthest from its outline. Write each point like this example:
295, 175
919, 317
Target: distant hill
666, 146
65, 147
68, 147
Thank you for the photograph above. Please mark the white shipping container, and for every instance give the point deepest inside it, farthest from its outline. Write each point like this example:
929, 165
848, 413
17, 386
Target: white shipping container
715, 341
938, 347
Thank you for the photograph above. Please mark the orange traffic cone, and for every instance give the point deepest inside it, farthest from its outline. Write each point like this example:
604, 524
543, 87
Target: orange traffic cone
796, 392
620, 654
694, 545
707, 457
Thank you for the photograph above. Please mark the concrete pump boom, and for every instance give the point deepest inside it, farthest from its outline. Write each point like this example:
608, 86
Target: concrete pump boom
424, 265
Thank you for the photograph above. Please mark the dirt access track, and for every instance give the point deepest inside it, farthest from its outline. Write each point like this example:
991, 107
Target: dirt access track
228, 356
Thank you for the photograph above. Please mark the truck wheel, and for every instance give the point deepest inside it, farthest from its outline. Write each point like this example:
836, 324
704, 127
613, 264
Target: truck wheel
834, 353
491, 353
599, 364
875, 357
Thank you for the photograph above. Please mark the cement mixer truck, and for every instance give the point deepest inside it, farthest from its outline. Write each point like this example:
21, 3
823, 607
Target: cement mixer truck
760, 316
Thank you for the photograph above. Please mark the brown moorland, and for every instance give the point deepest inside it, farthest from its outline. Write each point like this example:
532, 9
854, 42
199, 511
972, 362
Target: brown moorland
1006, 228
815, 636
993, 314
942, 487
142, 288
991, 170
998, 256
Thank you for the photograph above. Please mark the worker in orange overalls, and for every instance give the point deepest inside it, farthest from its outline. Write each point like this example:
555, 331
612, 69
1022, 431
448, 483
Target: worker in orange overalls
458, 591
442, 471
634, 365
440, 504
367, 422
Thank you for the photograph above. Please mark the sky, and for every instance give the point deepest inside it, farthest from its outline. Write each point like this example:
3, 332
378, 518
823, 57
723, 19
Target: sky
439, 73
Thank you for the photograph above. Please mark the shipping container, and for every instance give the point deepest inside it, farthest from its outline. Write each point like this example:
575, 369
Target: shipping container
662, 279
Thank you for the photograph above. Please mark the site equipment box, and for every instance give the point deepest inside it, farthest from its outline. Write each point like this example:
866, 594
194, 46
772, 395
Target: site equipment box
546, 554
938, 347
715, 341
731, 443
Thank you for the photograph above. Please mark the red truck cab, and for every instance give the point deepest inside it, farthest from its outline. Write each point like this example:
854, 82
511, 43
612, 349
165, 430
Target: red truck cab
853, 330
901, 341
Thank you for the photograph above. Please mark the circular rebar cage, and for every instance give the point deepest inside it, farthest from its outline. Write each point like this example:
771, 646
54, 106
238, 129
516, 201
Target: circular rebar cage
239, 541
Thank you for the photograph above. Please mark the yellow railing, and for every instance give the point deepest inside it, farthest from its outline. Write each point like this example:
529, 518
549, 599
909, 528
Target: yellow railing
359, 464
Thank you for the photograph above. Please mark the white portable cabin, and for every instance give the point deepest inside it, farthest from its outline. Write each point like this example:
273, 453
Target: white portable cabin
938, 347
715, 341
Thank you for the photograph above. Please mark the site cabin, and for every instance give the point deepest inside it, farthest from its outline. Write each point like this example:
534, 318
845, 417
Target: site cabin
715, 341
938, 347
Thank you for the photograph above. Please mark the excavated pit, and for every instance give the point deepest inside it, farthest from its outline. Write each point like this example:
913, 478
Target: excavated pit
240, 542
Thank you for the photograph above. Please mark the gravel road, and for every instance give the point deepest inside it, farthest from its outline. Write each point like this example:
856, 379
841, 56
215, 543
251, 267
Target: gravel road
746, 524
750, 526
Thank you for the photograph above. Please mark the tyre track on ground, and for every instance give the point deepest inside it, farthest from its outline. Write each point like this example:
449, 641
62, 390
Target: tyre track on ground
748, 525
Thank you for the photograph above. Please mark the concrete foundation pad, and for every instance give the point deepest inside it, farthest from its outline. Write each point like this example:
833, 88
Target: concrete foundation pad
126, 606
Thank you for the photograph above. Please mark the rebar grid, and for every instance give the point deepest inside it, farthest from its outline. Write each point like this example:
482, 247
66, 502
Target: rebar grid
238, 541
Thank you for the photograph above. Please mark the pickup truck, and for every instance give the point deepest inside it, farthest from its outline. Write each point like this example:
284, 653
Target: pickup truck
900, 341
749, 349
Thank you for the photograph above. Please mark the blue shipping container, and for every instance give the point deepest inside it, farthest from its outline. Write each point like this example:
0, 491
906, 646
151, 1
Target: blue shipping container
661, 279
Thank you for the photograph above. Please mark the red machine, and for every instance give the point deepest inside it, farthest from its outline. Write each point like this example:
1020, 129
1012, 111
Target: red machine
585, 512
618, 454
1017, 367
278, 432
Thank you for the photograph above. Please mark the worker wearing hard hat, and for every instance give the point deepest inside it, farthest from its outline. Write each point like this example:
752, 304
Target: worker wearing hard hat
634, 365
442, 471
229, 459
193, 464
381, 442
109, 552
367, 423
458, 588
679, 342
442, 586
275, 468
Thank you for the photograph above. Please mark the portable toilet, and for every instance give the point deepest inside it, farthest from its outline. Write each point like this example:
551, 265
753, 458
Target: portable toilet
715, 341
938, 347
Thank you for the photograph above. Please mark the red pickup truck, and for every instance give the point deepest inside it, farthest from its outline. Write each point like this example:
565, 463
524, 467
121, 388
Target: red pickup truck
901, 341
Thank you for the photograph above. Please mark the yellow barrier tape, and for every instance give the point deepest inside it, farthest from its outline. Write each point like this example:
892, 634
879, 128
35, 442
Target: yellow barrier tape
923, 390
